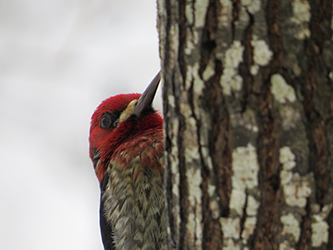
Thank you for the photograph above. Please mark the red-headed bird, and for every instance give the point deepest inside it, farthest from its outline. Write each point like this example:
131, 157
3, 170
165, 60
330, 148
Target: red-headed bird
126, 148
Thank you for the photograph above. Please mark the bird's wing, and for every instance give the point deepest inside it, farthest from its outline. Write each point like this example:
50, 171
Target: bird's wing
106, 230
132, 205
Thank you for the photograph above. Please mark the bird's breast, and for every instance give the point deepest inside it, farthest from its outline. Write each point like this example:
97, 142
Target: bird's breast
134, 203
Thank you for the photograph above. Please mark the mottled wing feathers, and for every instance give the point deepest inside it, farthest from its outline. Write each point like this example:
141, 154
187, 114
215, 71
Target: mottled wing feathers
106, 230
134, 203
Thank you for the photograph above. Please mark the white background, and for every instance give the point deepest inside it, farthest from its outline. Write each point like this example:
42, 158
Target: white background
58, 60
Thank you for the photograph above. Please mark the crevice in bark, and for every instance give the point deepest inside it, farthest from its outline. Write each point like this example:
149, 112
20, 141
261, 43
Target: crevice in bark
167, 139
207, 233
269, 175
208, 42
306, 231
216, 236
219, 142
249, 95
313, 83
167, 42
321, 16
220, 137
274, 34
212, 232
168, 194
206, 213
244, 67
182, 24
242, 221
183, 187
316, 136
236, 7
183, 190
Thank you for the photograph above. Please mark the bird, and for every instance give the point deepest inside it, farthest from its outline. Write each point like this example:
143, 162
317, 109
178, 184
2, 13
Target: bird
126, 149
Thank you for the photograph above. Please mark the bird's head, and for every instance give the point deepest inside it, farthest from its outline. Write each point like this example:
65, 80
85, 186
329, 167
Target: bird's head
119, 119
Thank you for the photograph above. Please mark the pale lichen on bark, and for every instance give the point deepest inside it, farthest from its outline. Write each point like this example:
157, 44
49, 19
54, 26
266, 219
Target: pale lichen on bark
194, 224
290, 227
244, 180
251, 219
281, 91
261, 51
320, 227
319, 231
231, 81
296, 190
253, 6
226, 13
301, 17
285, 246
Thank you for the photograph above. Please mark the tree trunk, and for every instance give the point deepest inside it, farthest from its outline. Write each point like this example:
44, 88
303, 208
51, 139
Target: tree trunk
248, 109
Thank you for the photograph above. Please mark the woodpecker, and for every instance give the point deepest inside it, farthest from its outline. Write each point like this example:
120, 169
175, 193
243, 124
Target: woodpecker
126, 148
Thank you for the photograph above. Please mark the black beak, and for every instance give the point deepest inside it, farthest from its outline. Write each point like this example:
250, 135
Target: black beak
147, 97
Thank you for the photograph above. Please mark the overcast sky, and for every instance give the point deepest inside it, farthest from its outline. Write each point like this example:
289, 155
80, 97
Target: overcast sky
58, 60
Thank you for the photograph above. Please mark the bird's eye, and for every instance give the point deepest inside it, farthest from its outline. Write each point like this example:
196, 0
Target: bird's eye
108, 120
105, 122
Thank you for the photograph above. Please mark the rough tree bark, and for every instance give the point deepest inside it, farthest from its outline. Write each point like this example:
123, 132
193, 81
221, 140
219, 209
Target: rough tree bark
248, 109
